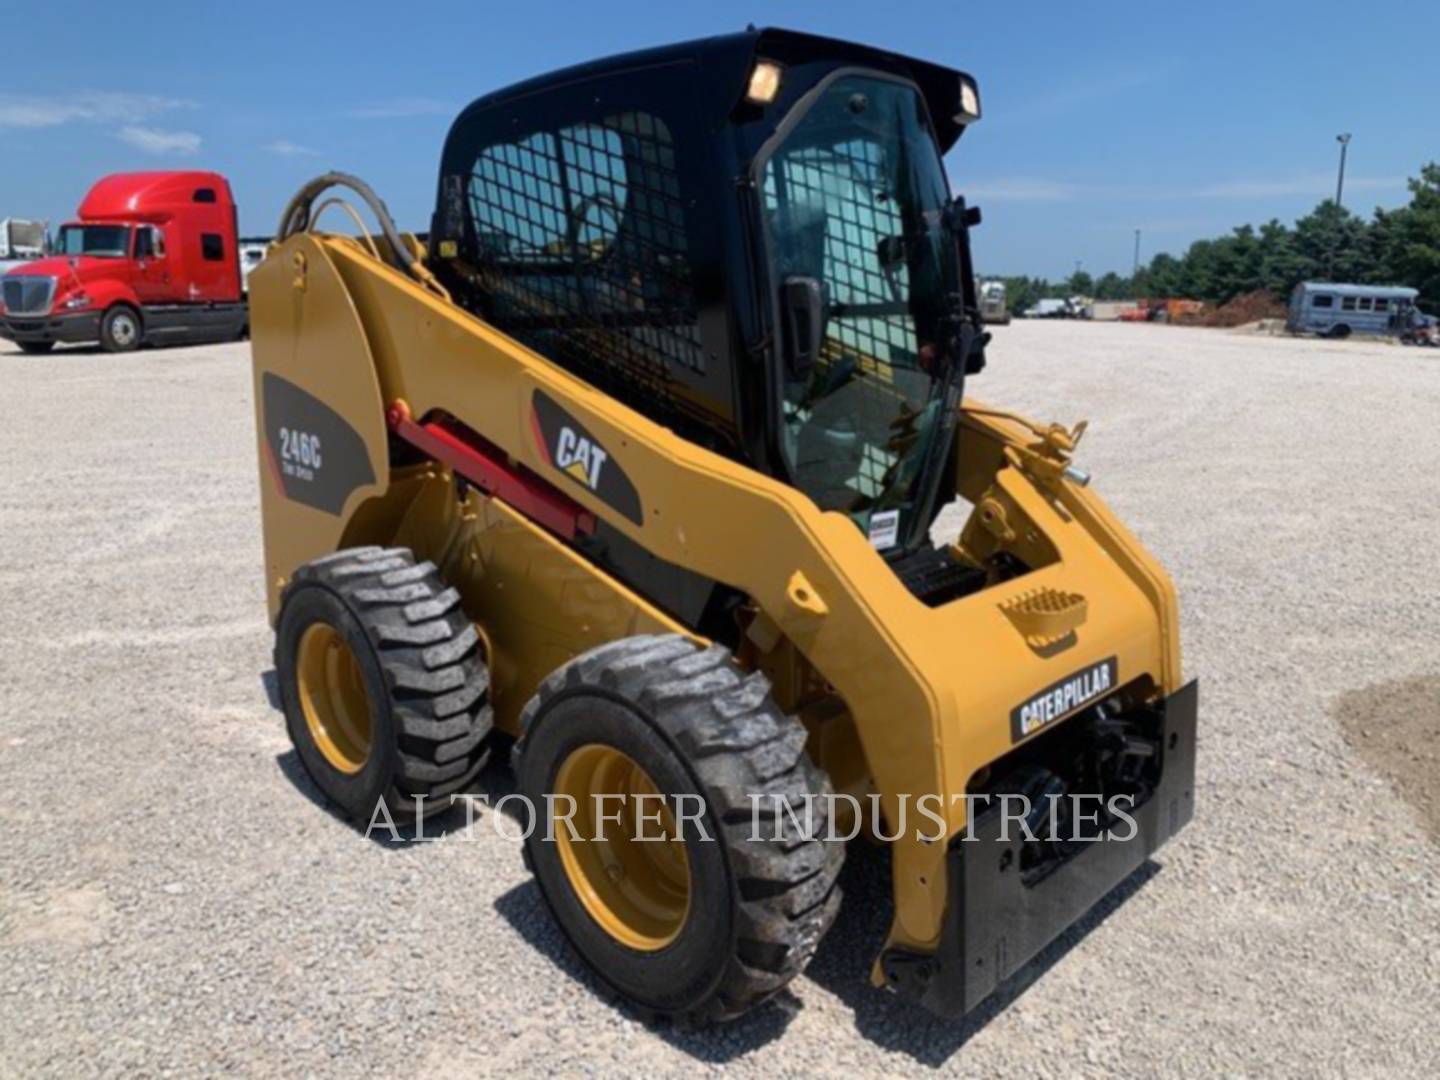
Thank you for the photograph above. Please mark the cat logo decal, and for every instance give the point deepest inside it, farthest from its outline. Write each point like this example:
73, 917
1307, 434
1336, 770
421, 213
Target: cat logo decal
569, 447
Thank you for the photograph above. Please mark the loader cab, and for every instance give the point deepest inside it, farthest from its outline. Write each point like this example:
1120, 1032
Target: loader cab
750, 239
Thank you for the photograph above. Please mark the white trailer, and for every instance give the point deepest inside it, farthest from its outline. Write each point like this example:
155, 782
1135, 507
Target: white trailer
21, 239
1049, 309
252, 254
993, 307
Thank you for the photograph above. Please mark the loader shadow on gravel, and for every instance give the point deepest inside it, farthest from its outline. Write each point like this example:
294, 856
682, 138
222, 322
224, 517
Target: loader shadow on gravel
524, 909
494, 781
1394, 728
842, 964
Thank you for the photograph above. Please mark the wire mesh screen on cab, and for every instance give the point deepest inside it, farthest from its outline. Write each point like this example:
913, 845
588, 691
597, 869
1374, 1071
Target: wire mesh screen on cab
581, 252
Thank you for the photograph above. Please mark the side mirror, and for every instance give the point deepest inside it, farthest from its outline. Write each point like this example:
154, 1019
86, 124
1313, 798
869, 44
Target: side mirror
959, 216
802, 308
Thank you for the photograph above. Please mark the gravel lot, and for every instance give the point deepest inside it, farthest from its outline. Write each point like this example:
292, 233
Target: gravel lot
172, 898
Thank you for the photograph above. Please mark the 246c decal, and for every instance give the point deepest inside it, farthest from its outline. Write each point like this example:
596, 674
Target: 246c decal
299, 453
316, 458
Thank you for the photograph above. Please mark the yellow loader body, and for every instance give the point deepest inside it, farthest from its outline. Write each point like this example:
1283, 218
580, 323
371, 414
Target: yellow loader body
931, 696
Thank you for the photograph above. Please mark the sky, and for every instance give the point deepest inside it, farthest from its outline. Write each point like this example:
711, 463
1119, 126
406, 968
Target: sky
1180, 120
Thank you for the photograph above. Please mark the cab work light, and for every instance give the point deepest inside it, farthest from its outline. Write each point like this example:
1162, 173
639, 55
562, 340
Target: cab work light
764, 83
969, 102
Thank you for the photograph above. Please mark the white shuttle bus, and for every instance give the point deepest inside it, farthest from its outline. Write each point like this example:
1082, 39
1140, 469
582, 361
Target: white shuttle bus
1337, 311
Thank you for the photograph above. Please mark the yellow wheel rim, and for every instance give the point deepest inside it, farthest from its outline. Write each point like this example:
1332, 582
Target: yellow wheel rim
333, 698
632, 875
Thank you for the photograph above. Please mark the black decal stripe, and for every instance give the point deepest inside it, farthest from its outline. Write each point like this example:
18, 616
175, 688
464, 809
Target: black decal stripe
345, 462
615, 488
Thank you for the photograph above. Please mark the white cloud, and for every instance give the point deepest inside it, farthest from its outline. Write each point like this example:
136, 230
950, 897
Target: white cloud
1319, 184
399, 108
1079, 95
286, 148
1017, 189
155, 141
1158, 226
30, 111
1032, 189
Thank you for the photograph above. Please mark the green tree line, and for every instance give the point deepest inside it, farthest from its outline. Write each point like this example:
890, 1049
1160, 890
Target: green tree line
1392, 247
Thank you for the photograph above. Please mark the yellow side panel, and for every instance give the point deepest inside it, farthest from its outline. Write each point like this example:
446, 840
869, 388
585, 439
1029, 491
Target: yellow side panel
536, 602
308, 342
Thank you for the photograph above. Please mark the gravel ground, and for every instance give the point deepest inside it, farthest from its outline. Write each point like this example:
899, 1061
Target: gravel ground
173, 898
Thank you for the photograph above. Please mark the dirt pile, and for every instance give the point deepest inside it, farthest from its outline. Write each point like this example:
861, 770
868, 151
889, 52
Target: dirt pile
1395, 728
1246, 308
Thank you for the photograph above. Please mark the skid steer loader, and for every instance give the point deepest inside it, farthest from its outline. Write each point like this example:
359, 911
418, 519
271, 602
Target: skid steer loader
635, 460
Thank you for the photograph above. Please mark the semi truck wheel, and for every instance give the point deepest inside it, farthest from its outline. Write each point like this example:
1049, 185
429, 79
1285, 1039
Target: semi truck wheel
385, 692
664, 884
120, 329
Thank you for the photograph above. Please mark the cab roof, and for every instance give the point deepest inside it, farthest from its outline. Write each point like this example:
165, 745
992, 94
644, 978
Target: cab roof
150, 196
725, 63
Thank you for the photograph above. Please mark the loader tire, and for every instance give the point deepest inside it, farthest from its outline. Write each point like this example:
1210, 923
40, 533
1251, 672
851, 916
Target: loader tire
385, 690
710, 930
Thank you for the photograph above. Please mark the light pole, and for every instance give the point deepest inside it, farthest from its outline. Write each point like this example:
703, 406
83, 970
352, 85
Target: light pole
1344, 141
1135, 265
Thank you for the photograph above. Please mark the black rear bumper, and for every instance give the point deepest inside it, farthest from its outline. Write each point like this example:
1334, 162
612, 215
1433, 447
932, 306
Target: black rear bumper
995, 923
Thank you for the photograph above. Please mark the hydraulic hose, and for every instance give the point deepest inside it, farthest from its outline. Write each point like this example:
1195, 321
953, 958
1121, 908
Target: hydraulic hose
298, 218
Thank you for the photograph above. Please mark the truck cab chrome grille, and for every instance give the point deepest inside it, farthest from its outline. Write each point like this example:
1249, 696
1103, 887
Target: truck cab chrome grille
27, 294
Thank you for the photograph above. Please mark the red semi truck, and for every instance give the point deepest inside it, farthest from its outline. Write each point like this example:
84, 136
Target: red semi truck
152, 258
